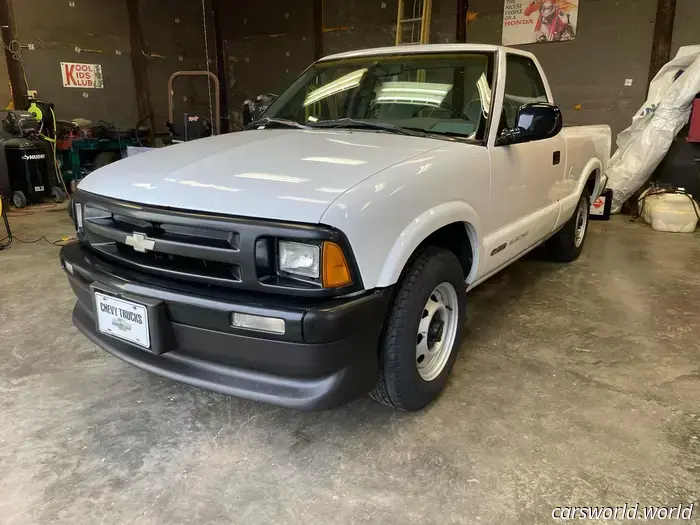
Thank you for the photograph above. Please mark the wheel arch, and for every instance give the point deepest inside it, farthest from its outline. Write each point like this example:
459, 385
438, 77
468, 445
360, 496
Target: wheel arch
453, 226
591, 177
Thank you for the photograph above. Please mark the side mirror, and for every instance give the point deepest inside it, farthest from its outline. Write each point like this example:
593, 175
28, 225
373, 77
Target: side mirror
536, 121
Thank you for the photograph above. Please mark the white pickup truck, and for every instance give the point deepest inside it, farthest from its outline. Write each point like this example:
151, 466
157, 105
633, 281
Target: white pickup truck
327, 251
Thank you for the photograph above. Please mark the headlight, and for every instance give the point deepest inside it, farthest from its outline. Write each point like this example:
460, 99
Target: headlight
300, 259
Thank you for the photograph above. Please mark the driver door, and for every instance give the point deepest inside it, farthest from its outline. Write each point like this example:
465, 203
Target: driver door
524, 177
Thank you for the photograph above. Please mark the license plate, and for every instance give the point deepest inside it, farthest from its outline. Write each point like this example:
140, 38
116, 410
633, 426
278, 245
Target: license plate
122, 319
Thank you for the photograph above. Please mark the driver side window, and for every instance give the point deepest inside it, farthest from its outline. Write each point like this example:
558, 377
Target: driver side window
524, 85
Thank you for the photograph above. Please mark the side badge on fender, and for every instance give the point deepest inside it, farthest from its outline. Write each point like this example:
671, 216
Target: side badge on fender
499, 249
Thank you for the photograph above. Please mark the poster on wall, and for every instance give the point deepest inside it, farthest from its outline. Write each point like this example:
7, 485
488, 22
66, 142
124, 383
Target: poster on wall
539, 21
82, 75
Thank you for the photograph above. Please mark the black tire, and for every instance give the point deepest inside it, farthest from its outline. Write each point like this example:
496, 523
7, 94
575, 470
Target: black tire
104, 158
19, 199
58, 194
400, 384
563, 247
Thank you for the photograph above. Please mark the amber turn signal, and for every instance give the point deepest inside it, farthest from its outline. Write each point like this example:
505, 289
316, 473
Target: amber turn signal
336, 271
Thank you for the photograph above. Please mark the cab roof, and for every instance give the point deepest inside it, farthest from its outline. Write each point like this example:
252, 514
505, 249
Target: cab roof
423, 48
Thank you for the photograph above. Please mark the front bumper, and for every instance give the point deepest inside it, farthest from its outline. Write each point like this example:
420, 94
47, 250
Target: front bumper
327, 356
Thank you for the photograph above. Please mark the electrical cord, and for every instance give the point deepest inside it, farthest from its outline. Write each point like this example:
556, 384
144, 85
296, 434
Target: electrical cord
206, 54
52, 141
59, 175
60, 242
3, 213
45, 206
6, 241
15, 48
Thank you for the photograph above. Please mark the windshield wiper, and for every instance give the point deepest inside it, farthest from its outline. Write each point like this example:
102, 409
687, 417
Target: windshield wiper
351, 123
273, 122
442, 134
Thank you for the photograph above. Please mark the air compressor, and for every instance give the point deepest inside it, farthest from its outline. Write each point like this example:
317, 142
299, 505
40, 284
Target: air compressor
28, 161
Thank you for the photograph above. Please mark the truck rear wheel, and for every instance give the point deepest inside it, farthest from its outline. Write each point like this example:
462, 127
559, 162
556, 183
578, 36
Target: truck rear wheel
423, 331
567, 244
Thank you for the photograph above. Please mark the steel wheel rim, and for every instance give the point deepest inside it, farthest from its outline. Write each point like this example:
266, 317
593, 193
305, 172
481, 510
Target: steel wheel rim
437, 331
581, 225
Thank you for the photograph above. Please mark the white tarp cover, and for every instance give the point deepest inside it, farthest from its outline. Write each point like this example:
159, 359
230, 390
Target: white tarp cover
642, 146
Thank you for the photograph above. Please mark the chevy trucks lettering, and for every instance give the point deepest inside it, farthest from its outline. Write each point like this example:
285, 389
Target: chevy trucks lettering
120, 312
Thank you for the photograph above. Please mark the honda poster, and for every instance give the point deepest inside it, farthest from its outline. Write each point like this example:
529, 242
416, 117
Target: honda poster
537, 21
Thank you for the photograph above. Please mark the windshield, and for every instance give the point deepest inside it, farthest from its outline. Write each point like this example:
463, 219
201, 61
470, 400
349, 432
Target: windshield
447, 94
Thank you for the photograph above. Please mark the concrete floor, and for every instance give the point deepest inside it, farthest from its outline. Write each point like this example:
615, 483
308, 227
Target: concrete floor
576, 385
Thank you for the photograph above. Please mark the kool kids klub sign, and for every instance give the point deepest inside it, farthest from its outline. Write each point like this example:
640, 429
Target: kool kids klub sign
82, 75
536, 21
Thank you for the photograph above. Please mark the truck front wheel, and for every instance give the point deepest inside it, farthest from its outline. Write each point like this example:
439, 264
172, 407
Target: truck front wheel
423, 331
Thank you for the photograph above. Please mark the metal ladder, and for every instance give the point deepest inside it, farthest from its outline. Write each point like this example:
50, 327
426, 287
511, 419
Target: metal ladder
416, 24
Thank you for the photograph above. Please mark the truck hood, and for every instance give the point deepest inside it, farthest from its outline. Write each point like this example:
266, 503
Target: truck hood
285, 174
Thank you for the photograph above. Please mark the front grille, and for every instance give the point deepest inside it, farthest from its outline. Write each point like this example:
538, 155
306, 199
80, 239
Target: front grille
206, 249
207, 252
179, 263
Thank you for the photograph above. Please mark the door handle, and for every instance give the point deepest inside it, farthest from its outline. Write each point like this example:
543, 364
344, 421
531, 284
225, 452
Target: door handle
556, 158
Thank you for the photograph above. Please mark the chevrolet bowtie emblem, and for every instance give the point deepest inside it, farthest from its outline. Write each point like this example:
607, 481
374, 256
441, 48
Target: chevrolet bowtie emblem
140, 242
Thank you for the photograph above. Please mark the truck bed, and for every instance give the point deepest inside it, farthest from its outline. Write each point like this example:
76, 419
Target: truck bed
582, 144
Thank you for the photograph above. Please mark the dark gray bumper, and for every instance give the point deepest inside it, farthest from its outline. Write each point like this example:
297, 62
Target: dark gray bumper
328, 355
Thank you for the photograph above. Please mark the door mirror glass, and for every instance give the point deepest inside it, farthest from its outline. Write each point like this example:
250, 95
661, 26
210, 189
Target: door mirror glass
536, 121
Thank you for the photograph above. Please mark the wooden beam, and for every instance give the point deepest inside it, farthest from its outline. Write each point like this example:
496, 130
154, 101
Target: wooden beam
663, 36
318, 28
15, 68
225, 124
462, 10
138, 65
